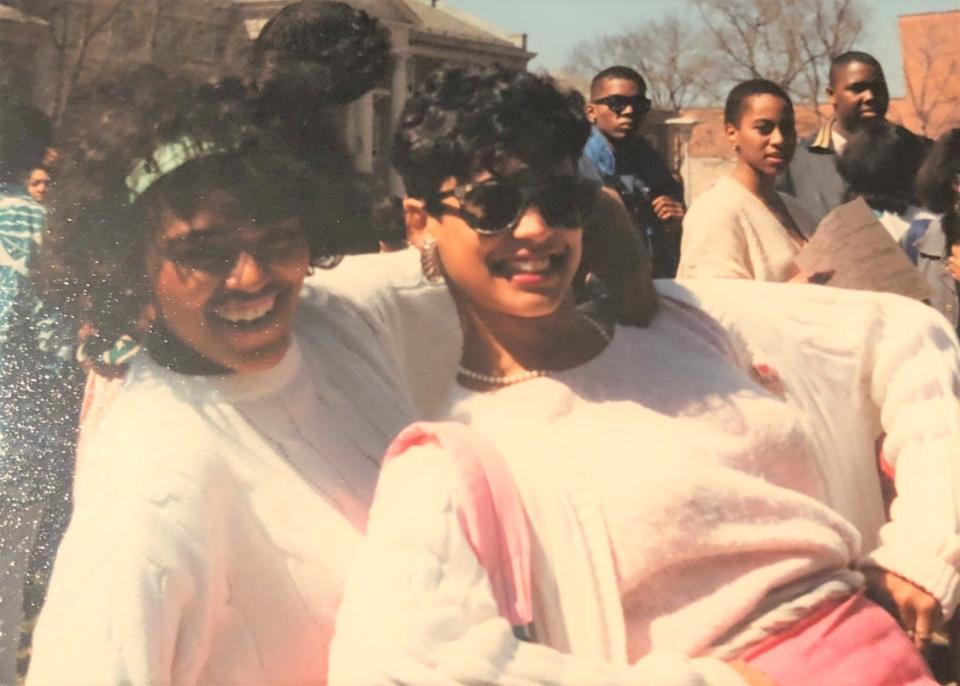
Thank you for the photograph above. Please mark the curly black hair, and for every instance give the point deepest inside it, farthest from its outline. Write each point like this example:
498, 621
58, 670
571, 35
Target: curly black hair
93, 263
936, 179
880, 165
321, 52
462, 121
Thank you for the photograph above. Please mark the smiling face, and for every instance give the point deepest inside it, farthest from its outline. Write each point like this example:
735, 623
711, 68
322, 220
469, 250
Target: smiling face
859, 95
225, 286
616, 125
524, 272
766, 135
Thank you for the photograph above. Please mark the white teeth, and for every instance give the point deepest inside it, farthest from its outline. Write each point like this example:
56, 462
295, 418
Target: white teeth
236, 312
531, 266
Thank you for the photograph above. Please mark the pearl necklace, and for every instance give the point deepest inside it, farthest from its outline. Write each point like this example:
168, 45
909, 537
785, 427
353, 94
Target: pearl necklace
511, 379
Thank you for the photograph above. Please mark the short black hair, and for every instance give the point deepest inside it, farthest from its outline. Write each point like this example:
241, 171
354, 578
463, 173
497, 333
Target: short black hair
938, 173
880, 165
390, 222
462, 121
25, 135
618, 72
850, 57
736, 103
94, 259
324, 51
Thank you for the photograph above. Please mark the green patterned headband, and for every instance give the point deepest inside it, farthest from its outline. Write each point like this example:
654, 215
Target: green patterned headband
165, 159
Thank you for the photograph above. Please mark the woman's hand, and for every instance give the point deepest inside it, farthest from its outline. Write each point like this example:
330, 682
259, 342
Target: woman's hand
918, 611
752, 676
953, 262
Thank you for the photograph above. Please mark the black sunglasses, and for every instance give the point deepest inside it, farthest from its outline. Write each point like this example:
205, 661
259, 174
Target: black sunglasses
218, 253
618, 103
497, 205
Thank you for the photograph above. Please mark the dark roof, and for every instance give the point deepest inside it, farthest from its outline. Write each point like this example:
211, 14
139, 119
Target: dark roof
449, 21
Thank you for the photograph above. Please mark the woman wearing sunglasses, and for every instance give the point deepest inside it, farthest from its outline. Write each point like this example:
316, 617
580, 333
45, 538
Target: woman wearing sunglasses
223, 490
673, 483
742, 228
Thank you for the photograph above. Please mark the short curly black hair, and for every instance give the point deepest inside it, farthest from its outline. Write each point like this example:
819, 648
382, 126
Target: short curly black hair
880, 165
93, 263
462, 121
318, 51
938, 172
936, 182
736, 103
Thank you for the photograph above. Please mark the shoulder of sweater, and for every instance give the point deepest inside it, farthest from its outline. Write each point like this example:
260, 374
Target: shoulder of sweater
151, 441
361, 277
722, 199
375, 288
21, 203
793, 310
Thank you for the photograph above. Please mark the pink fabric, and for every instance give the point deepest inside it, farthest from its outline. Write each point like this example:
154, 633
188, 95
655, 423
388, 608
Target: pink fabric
492, 514
851, 643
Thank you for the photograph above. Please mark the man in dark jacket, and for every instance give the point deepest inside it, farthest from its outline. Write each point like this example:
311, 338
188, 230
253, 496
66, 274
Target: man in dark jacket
857, 90
621, 159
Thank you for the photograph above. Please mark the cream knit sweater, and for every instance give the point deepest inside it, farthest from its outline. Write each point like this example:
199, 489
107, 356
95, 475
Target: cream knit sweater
215, 517
728, 233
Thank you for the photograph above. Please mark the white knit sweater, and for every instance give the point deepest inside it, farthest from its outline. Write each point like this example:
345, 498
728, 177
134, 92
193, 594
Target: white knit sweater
182, 465
728, 233
415, 323
667, 494
215, 517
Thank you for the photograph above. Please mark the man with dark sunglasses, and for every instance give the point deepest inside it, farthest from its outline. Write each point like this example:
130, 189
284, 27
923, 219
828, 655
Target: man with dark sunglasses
617, 156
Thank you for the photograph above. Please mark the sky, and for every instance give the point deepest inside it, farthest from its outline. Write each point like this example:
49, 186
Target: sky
554, 26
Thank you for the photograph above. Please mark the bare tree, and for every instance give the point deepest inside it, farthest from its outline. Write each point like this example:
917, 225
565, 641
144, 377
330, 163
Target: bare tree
668, 53
790, 42
73, 27
931, 60
93, 38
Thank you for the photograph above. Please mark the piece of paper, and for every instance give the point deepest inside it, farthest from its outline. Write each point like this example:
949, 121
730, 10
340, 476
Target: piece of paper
851, 242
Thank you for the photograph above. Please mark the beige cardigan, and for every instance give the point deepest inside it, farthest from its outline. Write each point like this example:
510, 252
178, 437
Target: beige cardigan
728, 233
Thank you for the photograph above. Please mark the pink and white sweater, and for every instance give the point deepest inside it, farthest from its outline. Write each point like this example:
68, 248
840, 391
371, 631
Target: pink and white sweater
669, 495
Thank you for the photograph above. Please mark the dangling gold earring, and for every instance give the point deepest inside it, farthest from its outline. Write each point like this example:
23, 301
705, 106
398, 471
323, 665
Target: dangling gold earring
430, 260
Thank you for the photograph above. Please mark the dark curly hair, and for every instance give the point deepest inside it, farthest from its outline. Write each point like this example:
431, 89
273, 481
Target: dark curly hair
321, 52
464, 121
936, 179
25, 134
880, 165
93, 263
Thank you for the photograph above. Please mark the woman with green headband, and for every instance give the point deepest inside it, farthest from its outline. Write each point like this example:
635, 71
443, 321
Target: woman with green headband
224, 488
